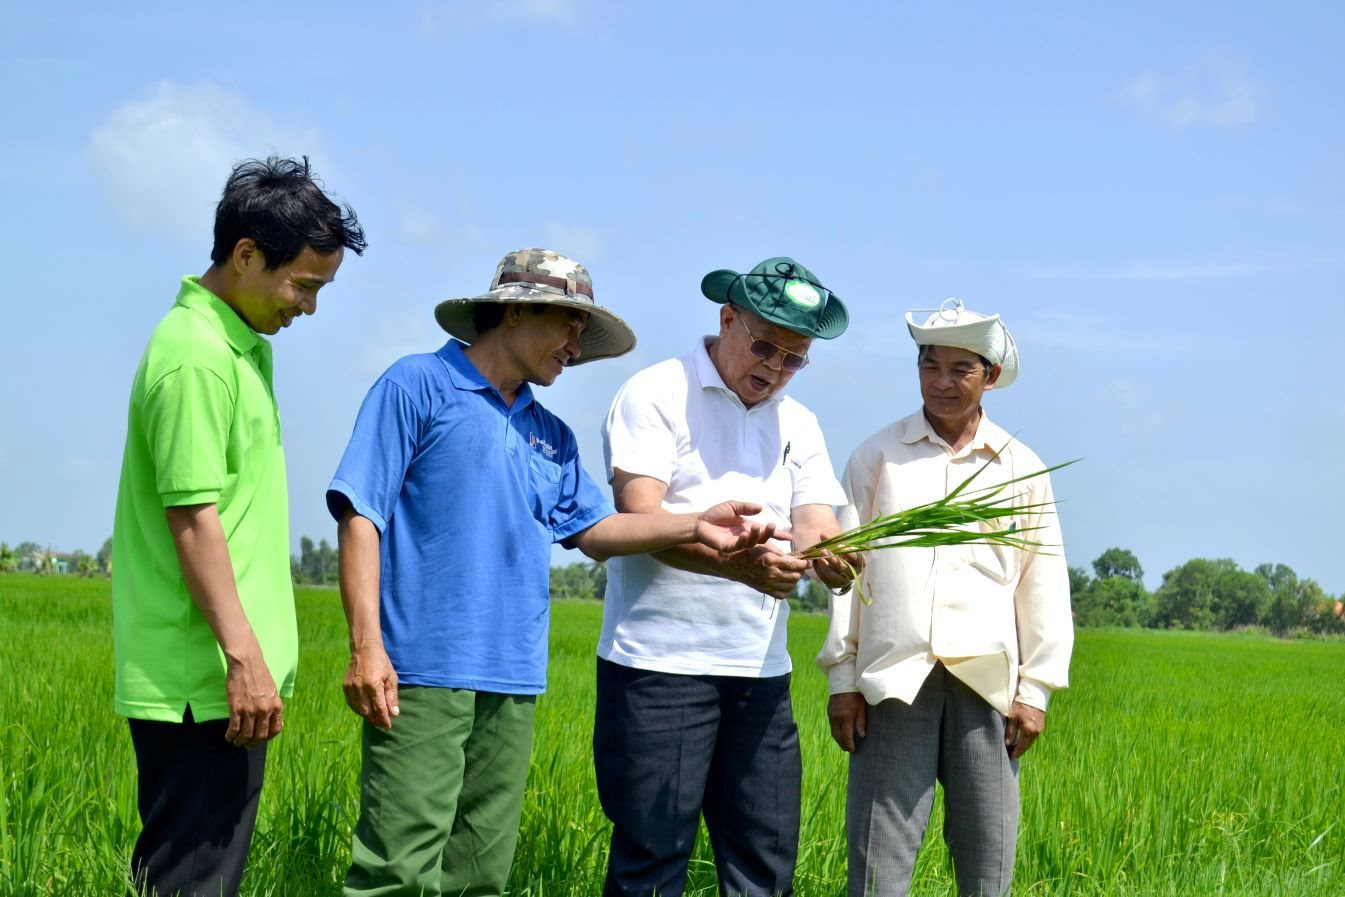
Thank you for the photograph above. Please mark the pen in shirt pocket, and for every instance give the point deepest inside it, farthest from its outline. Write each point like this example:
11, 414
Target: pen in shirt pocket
785, 456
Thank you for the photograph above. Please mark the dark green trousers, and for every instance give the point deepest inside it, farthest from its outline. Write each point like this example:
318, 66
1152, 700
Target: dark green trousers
441, 795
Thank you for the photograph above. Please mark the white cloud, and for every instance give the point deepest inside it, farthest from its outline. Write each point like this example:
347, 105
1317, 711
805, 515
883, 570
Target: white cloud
163, 160
1092, 332
1137, 413
1214, 93
579, 243
559, 11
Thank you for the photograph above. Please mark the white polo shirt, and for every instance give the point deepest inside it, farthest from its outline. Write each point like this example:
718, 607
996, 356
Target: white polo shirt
680, 424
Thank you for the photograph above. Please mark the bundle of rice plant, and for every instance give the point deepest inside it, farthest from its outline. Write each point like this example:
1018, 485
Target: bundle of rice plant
962, 517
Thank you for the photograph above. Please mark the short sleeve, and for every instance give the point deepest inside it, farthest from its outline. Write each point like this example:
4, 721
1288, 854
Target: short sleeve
815, 482
581, 502
187, 415
637, 436
369, 477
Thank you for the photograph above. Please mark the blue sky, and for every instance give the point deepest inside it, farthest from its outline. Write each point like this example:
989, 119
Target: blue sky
1151, 194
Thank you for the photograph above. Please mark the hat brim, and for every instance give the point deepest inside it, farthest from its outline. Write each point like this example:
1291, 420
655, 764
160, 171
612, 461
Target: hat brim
974, 337
605, 336
718, 286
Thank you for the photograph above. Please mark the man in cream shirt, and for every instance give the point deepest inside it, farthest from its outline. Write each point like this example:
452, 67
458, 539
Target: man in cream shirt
947, 673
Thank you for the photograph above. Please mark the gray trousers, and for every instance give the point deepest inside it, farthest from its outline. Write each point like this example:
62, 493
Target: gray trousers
950, 734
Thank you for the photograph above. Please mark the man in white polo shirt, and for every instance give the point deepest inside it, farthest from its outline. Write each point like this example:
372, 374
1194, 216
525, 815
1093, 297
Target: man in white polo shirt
693, 711
946, 673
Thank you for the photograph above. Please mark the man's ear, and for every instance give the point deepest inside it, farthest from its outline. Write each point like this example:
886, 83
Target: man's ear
513, 313
247, 254
993, 377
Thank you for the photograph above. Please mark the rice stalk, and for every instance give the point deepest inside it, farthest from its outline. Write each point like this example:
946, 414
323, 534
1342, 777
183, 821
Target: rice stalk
943, 523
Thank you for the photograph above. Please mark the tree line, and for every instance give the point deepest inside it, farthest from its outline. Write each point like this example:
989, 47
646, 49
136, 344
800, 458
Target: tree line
1202, 594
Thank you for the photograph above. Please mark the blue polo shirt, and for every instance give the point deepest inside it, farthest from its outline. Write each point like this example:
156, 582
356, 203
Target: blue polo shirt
468, 495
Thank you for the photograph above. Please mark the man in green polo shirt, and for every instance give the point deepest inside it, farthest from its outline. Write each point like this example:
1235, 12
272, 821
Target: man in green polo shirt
206, 644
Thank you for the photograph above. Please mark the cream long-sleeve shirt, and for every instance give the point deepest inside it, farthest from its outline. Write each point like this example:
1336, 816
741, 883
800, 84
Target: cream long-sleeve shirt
997, 617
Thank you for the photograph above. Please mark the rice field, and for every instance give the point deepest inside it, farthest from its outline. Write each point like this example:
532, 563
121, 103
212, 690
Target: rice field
1177, 764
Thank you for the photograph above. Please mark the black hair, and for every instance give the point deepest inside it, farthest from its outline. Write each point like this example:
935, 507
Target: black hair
924, 350
279, 205
488, 315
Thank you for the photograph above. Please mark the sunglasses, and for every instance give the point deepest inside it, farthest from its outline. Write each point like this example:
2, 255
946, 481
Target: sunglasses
765, 350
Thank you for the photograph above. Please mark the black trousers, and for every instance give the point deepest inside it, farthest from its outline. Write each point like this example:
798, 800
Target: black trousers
668, 748
198, 805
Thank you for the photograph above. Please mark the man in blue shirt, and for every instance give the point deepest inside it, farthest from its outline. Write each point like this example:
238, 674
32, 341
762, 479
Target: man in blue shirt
454, 486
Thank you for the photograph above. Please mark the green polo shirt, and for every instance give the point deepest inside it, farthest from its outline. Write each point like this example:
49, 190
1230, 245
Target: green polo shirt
203, 428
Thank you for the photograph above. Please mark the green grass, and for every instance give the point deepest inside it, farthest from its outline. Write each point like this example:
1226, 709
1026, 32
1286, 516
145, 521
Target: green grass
1177, 764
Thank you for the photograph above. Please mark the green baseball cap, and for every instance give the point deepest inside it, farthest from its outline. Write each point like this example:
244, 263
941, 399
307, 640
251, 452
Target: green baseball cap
783, 292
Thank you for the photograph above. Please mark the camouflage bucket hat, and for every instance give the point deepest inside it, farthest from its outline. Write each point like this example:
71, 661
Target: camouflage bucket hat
783, 292
538, 276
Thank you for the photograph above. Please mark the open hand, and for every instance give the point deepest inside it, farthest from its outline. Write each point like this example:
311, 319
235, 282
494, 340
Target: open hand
725, 527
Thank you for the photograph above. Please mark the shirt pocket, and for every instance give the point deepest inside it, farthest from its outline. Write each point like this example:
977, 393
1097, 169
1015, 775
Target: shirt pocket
544, 486
998, 562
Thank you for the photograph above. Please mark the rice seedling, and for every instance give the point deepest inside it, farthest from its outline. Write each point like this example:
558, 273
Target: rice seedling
946, 521
1175, 764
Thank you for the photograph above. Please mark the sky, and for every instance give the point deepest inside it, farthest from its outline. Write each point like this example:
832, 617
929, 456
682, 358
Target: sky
1152, 195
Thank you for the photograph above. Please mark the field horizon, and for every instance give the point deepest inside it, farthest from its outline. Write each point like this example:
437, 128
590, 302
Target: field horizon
1178, 763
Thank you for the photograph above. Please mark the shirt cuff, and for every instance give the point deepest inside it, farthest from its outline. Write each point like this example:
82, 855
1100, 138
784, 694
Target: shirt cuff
842, 678
182, 499
1033, 694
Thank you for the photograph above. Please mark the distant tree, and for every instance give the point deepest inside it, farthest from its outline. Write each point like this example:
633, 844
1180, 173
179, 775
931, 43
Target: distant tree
578, 581
1328, 615
328, 564
1291, 601
812, 596
1118, 562
1240, 598
1078, 582
26, 554
1210, 594
104, 557
82, 563
9, 560
1185, 600
315, 564
1114, 601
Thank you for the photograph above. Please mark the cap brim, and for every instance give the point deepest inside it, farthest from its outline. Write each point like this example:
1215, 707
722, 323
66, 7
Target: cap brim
606, 336
715, 285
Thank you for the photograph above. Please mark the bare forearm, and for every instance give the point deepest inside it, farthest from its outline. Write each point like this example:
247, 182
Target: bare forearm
359, 571
203, 555
622, 534
697, 559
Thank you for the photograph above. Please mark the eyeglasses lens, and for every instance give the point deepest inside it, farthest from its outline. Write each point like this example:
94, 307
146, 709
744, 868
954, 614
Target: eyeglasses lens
788, 360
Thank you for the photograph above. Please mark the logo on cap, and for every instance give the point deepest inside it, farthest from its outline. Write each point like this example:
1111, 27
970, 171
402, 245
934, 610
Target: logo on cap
802, 293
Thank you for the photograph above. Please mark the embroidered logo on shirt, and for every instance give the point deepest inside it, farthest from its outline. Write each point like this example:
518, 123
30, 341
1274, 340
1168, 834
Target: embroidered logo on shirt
541, 444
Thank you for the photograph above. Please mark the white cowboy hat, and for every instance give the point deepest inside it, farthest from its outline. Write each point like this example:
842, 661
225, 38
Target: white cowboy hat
951, 324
